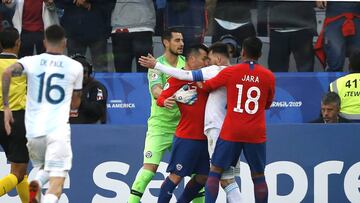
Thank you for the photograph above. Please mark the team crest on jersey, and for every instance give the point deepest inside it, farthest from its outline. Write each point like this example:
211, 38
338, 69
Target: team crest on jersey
166, 86
148, 154
179, 167
154, 76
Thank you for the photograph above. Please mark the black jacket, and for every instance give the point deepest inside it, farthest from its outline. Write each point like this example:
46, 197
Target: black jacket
287, 15
86, 25
237, 11
93, 104
321, 120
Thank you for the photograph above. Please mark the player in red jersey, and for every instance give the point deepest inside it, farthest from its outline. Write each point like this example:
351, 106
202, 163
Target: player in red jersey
189, 153
250, 91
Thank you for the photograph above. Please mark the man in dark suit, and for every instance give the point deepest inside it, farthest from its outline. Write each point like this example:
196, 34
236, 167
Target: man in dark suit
330, 108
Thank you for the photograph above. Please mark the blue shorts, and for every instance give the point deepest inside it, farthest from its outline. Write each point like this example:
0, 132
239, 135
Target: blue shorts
189, 157
227, 154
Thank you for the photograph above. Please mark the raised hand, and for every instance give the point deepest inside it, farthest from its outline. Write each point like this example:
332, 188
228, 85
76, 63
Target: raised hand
147, 61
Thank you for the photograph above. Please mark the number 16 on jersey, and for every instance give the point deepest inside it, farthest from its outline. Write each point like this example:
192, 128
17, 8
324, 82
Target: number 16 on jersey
50, 87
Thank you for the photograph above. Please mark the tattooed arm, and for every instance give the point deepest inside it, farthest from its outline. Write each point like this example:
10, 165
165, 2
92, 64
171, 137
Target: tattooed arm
12, 71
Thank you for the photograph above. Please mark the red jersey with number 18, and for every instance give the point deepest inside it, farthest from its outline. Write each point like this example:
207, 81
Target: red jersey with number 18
250, 90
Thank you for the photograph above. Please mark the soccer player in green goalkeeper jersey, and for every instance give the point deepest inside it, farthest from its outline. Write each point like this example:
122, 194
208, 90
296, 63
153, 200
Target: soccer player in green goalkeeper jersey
162, 121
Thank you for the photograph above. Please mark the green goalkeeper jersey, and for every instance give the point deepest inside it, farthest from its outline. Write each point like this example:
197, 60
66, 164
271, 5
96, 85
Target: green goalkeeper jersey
162, 119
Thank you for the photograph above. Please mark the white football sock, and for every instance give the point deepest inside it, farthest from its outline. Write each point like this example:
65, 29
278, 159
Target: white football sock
50, 198
233, 193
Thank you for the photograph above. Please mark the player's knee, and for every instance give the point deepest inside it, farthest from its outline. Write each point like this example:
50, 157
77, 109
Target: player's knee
175, 178
56, 185
19, 170
256, 175
201, 179
150, 167
225, 182
19, 176
216, 169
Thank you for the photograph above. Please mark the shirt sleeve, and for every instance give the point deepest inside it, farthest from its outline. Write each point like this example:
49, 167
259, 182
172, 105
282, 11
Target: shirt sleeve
154, 77
24, 63
175, 72
206, 73
169, 90
218, 81
79, 78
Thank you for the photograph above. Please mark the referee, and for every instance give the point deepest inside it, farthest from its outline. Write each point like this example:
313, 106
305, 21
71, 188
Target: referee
14, 145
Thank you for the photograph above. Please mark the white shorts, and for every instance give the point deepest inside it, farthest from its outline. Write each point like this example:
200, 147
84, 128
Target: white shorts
52, 152
212, 135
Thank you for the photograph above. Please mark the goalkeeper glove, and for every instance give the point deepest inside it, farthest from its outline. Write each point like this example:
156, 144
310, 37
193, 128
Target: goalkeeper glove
186, 95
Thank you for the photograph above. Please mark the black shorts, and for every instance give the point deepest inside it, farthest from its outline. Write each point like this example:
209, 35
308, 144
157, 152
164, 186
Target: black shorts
14, 145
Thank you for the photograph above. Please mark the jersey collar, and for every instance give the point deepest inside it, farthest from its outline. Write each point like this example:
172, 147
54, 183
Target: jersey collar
8, 55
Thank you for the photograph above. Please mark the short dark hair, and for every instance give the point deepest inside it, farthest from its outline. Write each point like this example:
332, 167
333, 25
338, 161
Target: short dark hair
220, 48
354, 61
167, 34
331, 97
252, 47
54, 34
88, 68
195, 49
8, 37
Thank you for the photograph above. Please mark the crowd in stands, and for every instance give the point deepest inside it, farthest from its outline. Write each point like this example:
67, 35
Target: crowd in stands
130, 26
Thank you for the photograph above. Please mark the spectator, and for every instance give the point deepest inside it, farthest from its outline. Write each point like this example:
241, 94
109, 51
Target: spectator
133, 26
188, 17
159, 10
31, 18
330, 109
232, 21
340, 33
348, 89
6, 15
292, 28
93, 99
87, 25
